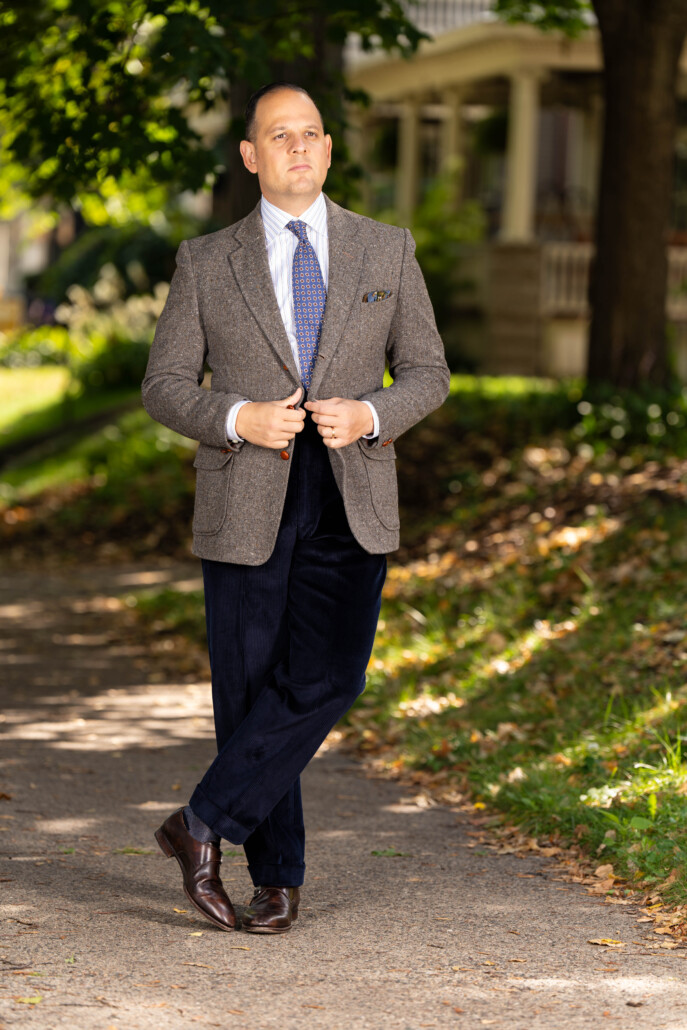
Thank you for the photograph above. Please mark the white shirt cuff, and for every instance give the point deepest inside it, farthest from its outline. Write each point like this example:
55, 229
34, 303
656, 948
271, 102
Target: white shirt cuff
232, 435
375, 420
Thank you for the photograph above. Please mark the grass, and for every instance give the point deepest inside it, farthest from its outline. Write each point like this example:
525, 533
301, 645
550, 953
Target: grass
28, 391
532, 645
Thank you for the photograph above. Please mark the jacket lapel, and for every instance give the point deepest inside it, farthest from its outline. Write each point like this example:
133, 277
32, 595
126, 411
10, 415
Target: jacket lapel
345, 263
251, 268
252, 271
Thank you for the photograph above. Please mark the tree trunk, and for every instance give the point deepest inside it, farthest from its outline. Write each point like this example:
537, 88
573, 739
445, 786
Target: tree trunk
237, 191
641, 41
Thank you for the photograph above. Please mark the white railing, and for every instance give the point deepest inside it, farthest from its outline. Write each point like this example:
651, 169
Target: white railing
433, 17
676, 304
437, 16
565, 280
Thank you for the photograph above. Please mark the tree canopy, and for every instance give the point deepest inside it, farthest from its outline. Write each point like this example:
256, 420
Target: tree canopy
99, 96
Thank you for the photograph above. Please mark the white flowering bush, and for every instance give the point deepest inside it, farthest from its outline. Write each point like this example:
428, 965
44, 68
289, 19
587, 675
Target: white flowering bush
102, 335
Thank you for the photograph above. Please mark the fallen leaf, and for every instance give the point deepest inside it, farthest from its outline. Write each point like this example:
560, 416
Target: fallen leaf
181, 910
197, 933
607, 942
34, 999
240, 947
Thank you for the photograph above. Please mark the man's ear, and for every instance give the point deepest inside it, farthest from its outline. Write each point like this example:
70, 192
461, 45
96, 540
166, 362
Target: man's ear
328, 141
248, 154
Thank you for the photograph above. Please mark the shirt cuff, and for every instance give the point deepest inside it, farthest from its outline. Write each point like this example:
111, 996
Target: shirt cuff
375, 420
232, 435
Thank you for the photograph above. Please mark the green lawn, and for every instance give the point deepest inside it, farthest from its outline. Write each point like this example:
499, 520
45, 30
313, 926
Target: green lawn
532, 647
28, 391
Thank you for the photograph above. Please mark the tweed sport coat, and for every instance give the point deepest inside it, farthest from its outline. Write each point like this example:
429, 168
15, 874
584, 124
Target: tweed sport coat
222, 312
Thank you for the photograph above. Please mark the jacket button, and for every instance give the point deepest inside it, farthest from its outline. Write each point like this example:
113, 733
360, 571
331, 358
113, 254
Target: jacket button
284, 455
285, 367
226, 450
387, 442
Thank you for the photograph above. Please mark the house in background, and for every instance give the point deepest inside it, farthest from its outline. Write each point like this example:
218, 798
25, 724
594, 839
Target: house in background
520, 112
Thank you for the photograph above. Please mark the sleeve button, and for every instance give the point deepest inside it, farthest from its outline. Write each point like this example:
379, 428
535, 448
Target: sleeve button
284, 455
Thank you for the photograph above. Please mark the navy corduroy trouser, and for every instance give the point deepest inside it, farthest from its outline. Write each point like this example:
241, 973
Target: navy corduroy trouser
289, 642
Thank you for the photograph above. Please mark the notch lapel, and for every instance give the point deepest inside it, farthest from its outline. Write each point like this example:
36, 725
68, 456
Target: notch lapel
345, 263
252, 271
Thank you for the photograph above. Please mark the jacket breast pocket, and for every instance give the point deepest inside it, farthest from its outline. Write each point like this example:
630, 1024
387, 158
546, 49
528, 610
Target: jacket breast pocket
213, 473
380, 466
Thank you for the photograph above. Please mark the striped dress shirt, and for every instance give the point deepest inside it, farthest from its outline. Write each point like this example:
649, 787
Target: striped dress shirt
281, 246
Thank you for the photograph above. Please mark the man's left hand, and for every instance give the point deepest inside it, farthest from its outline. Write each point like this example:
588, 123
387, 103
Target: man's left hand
340, 421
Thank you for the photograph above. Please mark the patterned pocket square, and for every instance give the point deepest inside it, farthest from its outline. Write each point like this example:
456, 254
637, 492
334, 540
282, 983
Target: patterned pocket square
369, 298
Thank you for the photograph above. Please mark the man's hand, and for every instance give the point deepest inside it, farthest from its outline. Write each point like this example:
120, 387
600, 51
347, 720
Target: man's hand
271, 423
340, 421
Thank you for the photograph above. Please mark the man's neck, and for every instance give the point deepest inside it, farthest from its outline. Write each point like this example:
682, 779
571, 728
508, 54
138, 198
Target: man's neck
292, 205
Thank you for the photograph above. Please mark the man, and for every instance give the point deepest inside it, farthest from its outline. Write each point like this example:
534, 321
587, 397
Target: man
295, 309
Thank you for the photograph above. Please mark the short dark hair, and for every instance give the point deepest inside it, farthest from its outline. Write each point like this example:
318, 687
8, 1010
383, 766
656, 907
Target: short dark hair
255, 98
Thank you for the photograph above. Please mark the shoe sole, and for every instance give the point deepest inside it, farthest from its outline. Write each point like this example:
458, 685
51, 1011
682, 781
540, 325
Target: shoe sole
271, 929
167, 848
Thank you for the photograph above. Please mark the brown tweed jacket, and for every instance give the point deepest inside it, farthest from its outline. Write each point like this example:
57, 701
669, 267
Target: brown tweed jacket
222, 311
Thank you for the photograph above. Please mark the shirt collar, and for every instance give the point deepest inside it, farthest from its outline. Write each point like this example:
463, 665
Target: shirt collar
275, 220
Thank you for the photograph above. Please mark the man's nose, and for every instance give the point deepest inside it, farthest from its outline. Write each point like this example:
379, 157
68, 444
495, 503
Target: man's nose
300, 143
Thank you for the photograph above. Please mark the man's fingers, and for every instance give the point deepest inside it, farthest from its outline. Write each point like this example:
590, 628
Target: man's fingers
292, 400
331, 419
323, 407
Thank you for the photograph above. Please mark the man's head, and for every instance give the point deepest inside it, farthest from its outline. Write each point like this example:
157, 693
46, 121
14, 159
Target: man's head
286, 146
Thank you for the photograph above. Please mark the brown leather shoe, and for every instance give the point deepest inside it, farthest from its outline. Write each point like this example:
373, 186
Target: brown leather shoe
272, 910
200, 867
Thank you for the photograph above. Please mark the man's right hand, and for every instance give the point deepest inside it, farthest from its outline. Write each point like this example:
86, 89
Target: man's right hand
271, 423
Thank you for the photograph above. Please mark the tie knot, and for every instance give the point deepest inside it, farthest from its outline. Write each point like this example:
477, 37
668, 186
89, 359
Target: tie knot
299, 229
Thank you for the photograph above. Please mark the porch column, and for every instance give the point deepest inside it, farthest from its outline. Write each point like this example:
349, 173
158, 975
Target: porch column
358, 138
521, 159
408, 161
453, 139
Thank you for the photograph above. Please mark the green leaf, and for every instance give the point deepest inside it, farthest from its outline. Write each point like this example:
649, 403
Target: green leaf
390, 853
638, 822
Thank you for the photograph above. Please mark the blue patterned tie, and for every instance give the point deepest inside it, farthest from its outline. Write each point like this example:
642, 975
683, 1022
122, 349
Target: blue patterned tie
309, 296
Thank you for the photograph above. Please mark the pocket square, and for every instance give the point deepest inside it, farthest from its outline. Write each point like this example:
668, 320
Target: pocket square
369, 298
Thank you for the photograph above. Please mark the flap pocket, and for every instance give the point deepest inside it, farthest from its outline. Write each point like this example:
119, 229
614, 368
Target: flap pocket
379, 453
211, 457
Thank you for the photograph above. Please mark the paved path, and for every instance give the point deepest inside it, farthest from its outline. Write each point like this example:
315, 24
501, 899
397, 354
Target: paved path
95, 925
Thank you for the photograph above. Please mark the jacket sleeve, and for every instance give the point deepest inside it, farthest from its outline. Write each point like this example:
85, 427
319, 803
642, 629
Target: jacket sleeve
416, 357
171, 390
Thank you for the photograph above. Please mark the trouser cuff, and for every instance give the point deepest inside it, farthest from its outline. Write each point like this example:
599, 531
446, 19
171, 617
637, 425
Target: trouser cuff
277, 875
216, 819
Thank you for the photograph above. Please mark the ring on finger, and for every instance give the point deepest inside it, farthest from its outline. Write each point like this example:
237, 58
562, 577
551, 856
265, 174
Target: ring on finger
333, 436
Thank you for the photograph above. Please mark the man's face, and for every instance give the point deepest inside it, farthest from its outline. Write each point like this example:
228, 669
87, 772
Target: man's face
290, 152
